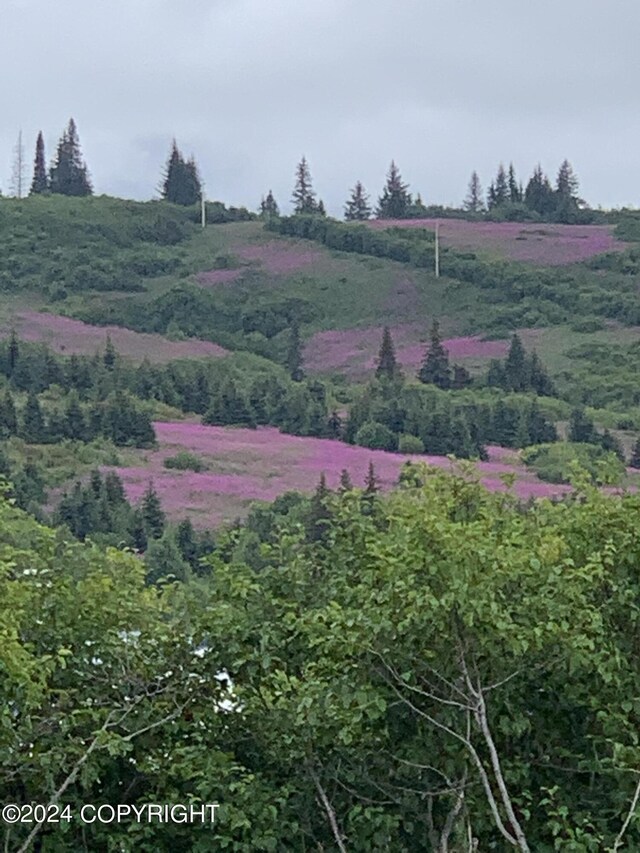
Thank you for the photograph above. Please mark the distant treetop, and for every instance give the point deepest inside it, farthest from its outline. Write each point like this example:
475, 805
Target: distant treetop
68, 174
181, 182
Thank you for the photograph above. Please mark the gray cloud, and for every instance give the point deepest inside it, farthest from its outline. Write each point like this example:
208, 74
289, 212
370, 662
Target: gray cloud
248, 86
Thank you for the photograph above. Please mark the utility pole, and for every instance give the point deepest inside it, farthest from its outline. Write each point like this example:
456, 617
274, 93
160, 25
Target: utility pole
437, 252
17, 176
203, 209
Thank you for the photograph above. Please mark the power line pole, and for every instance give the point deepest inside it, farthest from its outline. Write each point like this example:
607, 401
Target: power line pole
17, 175
203, 210
437, 252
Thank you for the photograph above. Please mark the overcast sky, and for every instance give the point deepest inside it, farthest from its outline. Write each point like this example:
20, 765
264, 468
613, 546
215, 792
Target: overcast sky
248, 86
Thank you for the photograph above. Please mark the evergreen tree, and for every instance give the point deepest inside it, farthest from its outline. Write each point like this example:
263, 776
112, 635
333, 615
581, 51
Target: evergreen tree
110, 355
609, 442
68, 174
13, 353
180, 181
387, 366
304, 198
501, 187
74, 426
269, 207
395, 201
581, 428
515, 367
294, 359
164, 560
515, 191
186, 542
345, 481
153, 517
435, 369
539, 195
567, 201
635, 455
8, 417
567, 182
320, 208
539, 380
319, 514
473, 202
334, 425
491, 196
40, 182
461, 377
357, 208
34, 429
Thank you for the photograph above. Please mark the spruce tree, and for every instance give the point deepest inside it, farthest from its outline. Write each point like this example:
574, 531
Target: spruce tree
491, 196
153, 517
539, 195
435, 369
345, 481
13, 354
75, 426
180, 181
395, 201
635, 455
164, 560
567, 201
40, 182
34, 430
581, 428
68, 174
473, 202
8, 417
319, 514
515, 367
461, 377
515, 191
110, 355
334, 425
186, 542
294, 359
269, 207
303, 198
357, 208
387, 366
501, 187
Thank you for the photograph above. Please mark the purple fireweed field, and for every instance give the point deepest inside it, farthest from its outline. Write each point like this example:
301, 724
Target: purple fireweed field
536, 243
67, 336
245, 465
279, 258
354, 351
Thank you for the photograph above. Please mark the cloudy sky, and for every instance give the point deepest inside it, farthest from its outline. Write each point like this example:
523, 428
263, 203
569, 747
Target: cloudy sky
248, 86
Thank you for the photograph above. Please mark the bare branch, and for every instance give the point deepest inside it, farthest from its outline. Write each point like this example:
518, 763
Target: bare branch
632, 808
331, 815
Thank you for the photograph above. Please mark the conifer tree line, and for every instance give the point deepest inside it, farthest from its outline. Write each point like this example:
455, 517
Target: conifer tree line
507, 196
68, 173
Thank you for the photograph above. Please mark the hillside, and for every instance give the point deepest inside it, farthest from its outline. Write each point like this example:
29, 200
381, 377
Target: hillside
82, 275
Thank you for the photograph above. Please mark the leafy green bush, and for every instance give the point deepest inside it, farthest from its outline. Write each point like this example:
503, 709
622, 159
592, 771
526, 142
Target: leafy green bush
555, 463
376, 436
185, 461
410, 444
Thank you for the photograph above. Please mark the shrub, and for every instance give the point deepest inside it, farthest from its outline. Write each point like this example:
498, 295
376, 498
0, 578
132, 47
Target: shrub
376, 436
555, 463
410, 444
185, 461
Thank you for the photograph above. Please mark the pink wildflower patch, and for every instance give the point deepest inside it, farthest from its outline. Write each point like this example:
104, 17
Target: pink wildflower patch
214, 277
542, 244
354, 351
245, 465
278, 257
67, 336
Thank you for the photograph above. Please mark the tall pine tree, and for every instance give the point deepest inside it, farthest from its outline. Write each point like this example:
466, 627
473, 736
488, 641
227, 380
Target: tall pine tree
387, 366
294, 357
269, 207
473, 202
395, 201
40, 182
304, 197
435, 369
68, 174
180, 181
357, 208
